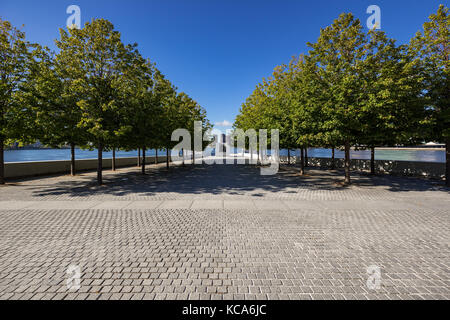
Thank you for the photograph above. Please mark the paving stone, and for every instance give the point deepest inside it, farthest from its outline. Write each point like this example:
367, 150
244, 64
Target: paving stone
224, 233
207, 204
176, 204
149, 204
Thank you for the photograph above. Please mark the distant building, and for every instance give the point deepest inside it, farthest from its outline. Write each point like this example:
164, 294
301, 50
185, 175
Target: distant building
36, 145
16, 145
432, 145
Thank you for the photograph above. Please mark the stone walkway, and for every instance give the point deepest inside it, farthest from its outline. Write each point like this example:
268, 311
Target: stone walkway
224, 232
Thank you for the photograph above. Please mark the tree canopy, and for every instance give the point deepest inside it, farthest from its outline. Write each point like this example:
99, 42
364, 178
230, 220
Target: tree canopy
94, 92
357, 88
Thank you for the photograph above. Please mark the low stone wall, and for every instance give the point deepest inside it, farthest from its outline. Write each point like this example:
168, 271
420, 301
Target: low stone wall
37, 168
408, 168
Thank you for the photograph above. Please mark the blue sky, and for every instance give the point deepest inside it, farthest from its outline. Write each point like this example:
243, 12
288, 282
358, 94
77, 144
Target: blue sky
216, 50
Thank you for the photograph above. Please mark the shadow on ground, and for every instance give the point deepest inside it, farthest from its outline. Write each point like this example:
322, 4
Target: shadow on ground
225, 180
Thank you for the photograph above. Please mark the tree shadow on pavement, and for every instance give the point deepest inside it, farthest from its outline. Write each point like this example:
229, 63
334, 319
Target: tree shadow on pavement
240, 180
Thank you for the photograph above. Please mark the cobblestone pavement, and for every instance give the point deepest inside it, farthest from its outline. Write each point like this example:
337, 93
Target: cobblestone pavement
224, 232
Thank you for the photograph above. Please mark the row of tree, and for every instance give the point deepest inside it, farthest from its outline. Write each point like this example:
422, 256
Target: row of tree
94, 92
359, 89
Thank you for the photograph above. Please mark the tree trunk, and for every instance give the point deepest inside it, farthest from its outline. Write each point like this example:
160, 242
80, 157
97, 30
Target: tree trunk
182, 155
447, 162
113, 164
143, 160
139, 157
156, 156
167, 158
372, 160
100, 163
306, 157
289, 157
72, 159
333, 165
2, 161
302, 162
347, 162
193, 157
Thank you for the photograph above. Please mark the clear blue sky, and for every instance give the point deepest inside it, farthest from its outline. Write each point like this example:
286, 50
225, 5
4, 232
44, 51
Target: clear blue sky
216, 50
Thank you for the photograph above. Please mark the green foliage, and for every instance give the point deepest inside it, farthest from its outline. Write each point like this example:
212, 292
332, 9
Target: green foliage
358, 88
96, 63
432, 50
14, 61
94, 92
352, 86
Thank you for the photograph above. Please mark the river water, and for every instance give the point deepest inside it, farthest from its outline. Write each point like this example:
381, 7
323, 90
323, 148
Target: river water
380, 154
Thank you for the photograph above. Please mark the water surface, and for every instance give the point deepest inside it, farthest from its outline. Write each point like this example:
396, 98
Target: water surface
64, 154
380, 154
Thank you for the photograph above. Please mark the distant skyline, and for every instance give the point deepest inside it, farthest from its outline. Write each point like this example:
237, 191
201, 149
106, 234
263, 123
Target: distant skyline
216, 51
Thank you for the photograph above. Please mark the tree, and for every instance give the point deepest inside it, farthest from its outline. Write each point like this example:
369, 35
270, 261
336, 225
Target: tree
197, 113
279, 104
14, 57
391, 110
338, 54
96, 60
179, 111
307, 115
251, 113
166, 97
432, 49
141, 110
55, 115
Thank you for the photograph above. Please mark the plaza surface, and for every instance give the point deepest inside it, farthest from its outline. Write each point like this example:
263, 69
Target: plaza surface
224, 232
